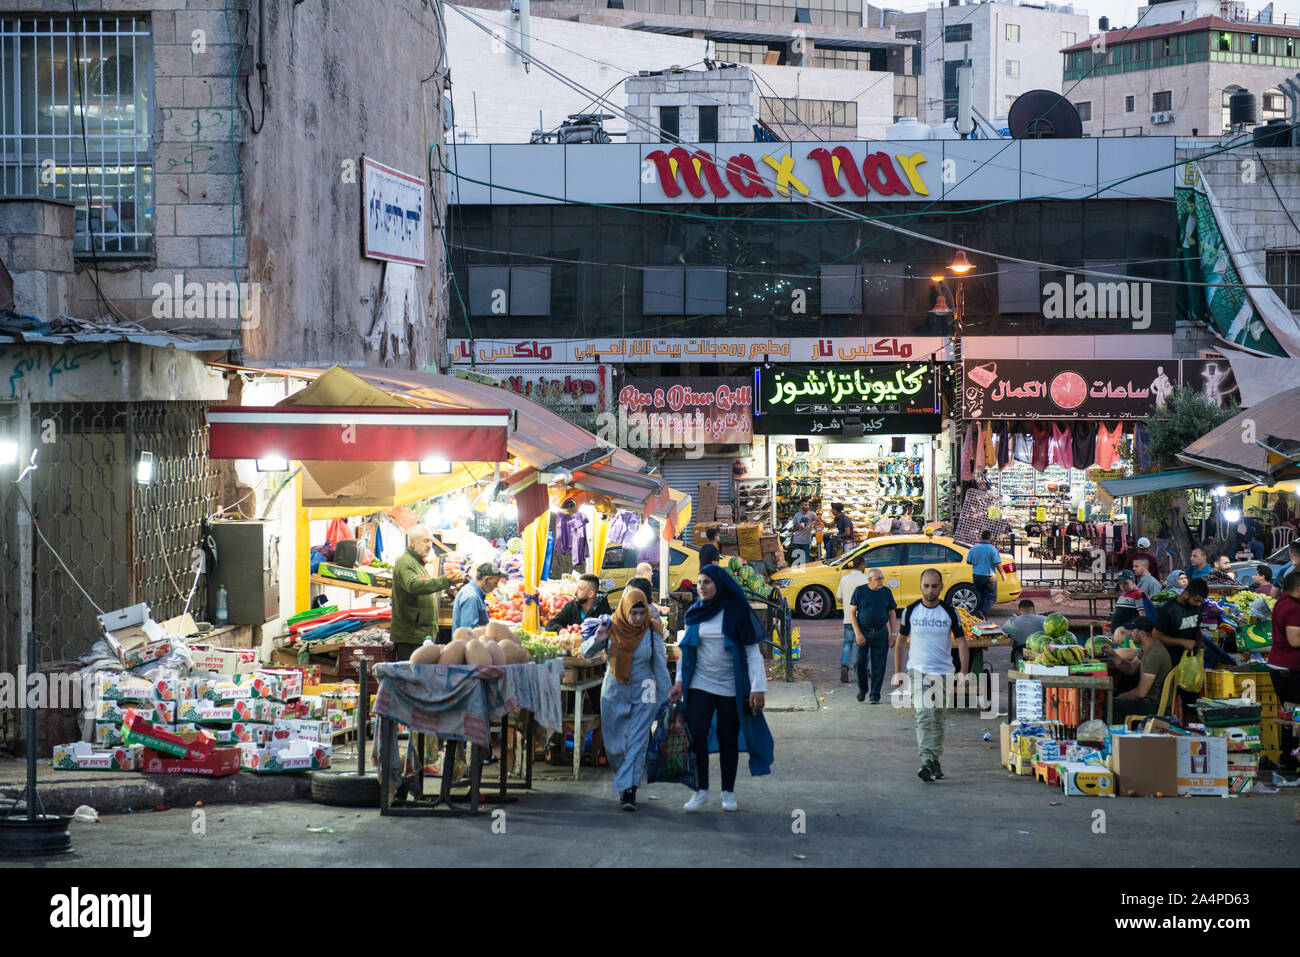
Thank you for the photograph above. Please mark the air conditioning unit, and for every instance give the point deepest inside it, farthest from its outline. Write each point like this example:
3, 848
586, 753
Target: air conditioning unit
1162, 117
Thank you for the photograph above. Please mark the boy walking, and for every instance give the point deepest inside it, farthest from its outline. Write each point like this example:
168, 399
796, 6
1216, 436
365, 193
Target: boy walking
927, 624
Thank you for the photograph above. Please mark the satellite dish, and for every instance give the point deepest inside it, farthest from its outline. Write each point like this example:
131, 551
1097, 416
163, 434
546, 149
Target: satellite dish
1044, 115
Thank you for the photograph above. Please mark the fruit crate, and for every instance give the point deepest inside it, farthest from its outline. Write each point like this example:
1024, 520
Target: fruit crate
1221, 683
348, 666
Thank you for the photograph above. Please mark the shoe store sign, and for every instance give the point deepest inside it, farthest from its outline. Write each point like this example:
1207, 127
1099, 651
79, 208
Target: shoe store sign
1087, 388
894, 399
719, 409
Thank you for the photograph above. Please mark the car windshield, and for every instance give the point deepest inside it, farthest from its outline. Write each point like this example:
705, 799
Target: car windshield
848, 556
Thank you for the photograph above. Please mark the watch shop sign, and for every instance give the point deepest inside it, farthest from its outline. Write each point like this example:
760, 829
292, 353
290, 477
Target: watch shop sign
716, 411
1057, 389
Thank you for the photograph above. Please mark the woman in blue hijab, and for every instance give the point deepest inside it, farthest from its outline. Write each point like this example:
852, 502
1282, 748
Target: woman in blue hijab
723, 680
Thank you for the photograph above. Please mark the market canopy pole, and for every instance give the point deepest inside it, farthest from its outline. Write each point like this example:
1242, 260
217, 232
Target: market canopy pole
301, 549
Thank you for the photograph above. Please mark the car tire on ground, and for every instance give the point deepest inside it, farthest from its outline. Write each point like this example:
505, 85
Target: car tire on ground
963, 595
815, 602
345, 789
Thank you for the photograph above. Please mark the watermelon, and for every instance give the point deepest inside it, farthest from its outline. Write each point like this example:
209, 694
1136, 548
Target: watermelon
1056, 625
1067, 638
1037, 642
1096, 644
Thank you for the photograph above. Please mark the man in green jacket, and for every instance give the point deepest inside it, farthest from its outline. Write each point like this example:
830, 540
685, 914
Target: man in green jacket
415, 607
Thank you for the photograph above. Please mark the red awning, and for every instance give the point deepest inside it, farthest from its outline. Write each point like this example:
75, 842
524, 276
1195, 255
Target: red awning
634, 491
358, 433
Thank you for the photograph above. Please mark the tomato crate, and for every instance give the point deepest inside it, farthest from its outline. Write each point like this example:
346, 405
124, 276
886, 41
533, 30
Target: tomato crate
1221, 683
349, 657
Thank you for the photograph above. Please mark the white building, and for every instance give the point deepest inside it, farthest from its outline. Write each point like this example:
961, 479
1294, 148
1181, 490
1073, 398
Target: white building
497, 100
1012, 48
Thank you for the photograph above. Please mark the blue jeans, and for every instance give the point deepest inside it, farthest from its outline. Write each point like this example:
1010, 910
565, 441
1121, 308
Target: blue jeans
795, 549
850, 641
986, 586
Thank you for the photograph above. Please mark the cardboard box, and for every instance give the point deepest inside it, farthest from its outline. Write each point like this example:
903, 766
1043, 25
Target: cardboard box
294, 756
288, 729
245, 687
1239, 738
131, 628
1086, 780
218, 763
241, 733
80, 756
1146, 764
203, 711
723, 513
134, 658
122, 686
706, 506
223, 661
291, 681
1202, 766
155, 712
192, 745
108, 735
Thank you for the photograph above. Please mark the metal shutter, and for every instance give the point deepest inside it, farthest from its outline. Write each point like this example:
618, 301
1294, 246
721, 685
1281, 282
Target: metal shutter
685, 475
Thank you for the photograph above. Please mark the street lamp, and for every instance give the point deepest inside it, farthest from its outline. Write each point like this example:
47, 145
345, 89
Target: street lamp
960, 265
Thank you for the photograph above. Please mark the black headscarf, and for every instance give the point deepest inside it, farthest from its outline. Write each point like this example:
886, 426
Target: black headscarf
738, 620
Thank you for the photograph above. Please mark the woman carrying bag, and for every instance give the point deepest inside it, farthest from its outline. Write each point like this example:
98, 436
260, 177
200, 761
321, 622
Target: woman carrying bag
722, 674
636, 683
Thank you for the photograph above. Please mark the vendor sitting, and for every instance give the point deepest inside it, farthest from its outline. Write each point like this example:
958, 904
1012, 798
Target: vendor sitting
1264, 581
587, 601
470, 608
1131, 603
1151, 668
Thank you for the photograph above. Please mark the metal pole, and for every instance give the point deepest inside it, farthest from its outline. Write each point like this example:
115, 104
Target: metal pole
364, 716
31, 733
26, 540
787, 641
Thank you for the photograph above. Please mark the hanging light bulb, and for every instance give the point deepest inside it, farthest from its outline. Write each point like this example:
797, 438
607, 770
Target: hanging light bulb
495, 510
512, 511
644, 536
960, 264
402, 472
434, 515
1220, 491
1231, 514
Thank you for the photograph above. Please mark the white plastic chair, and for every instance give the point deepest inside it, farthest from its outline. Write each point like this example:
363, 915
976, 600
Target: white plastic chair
1282, 536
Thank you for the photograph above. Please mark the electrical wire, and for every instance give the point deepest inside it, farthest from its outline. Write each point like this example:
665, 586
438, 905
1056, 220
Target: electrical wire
162, 550
235, 194
31, 514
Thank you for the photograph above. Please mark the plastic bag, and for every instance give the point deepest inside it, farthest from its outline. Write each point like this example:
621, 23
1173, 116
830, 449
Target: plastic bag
1191, 671
669, 757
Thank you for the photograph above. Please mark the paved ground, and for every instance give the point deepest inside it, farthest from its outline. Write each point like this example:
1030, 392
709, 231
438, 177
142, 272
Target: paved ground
844, 792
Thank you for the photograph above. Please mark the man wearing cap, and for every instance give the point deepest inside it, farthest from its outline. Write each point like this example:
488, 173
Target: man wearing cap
415, 605
1142, 549
1129, 604
470, 608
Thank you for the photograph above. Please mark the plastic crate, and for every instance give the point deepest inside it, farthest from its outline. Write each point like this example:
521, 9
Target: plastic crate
1220, 683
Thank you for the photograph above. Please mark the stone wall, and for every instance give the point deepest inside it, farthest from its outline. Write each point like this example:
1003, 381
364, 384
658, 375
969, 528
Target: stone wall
36, 247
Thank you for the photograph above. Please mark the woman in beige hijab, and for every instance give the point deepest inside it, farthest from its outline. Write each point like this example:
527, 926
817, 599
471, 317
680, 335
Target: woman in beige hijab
636, 686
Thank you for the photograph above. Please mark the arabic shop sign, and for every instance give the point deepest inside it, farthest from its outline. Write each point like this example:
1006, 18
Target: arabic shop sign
585, 387
718, 410
492, 352
1062, 389
915, 423
846, 390
773, 173
394, 226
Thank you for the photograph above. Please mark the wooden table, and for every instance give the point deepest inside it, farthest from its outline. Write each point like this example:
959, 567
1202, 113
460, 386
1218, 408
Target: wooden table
1092, 597
1085, 682
579, 690
351, 586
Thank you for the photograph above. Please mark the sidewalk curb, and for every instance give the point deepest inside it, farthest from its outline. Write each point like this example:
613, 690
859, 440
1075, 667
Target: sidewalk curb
170, 791
795, 696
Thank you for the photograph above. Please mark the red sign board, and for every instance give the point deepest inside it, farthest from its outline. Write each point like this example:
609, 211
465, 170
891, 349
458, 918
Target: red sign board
715, 410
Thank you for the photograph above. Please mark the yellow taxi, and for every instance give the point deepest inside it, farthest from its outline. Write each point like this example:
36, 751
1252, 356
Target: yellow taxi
811, 590
620, 565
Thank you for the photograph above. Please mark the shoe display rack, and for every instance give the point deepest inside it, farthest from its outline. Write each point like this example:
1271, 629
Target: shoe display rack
753, 500
871, 489
798, 477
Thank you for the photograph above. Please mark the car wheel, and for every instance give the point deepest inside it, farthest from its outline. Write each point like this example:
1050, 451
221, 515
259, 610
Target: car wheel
814, 602
964, 596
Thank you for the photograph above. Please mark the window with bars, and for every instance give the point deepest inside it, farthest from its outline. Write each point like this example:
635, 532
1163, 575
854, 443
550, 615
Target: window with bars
1283, 269
1013, 32
791, 111
76, 96
1162, 101
1084, 110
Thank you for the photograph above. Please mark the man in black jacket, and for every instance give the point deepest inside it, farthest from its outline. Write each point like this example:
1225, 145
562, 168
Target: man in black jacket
709, 554
586, 602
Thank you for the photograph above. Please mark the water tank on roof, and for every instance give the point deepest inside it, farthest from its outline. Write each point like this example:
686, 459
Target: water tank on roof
1103, 24
1276, 132
1241, 108
908, 128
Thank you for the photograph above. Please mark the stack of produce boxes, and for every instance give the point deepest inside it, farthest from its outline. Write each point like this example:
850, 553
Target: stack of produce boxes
116, 693
1238, 722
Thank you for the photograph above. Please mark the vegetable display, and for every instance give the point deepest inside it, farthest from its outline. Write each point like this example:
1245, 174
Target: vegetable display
1056, 624
749, 579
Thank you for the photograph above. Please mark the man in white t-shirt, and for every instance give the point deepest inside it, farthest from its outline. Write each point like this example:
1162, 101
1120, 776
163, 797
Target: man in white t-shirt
845, 596
927, 625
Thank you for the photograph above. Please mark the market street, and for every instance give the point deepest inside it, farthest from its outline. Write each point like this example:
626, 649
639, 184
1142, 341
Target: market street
850, 768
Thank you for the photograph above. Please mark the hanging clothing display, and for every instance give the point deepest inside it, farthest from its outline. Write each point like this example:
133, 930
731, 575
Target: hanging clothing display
1003, 438
622, 528
1062, 452
981, 462
1085, 444
1140, 456
1042, 446
986, 442
579, 542
1108, 445
1022, 445
968, 453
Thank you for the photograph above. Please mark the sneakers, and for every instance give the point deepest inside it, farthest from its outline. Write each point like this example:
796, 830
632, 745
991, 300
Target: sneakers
729, 801
938, 771
873, 700
699, 802
627, 800
862, 696
844, 674
930, 771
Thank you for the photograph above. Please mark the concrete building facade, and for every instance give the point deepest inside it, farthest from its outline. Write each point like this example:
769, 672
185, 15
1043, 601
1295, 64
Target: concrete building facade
224, 146
1176, 74
1011, 47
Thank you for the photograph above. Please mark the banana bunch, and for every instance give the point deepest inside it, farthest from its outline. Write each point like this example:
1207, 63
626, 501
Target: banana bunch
1062, 655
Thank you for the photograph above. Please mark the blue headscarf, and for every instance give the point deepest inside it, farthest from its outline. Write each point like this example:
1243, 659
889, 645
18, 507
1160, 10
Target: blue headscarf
738, 620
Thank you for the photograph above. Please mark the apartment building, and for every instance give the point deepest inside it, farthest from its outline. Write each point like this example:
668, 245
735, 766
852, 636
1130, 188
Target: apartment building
1011, 48
1175, 71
